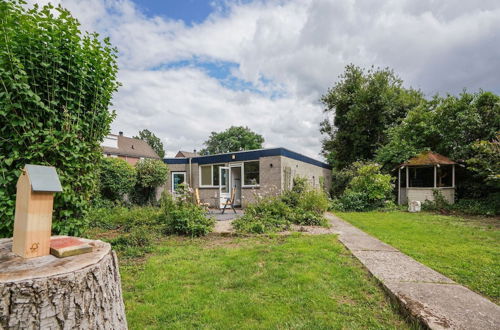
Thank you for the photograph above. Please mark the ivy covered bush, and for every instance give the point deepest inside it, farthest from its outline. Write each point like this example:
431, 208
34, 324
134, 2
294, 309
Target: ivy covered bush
368, 189
151, 174
116, 179
57, 85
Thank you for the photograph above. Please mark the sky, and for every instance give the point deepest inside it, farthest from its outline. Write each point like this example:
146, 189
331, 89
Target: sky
191, 67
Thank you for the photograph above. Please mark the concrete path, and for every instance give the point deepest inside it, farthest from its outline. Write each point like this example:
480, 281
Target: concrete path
432, 298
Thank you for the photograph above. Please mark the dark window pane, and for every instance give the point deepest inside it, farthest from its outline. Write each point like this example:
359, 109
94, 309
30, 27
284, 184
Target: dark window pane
216, 174
251, 173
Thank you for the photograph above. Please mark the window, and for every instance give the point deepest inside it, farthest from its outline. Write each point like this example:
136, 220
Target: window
209, 175
215, 174
251, 173
177, 179
206, 175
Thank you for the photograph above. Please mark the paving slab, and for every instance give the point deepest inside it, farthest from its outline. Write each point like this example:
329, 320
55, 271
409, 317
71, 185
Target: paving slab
426, 295
445, 306
397, 266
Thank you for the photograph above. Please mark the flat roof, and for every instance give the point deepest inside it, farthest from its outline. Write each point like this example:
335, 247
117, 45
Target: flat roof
246, 156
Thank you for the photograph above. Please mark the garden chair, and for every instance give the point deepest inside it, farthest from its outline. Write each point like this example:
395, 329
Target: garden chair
205, 205
229, 202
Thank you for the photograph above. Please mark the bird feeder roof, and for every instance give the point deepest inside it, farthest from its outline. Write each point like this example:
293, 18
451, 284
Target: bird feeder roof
428, 158
43, 178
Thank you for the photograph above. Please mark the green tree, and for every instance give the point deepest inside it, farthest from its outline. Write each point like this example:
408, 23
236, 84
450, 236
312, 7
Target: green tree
116, 178
448, 125
151, 174
153, 141
451, 126
56, 89
235, 138
486, 161
362, 106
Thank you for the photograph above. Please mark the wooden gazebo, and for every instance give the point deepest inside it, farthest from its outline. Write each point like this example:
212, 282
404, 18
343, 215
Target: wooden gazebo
423, 174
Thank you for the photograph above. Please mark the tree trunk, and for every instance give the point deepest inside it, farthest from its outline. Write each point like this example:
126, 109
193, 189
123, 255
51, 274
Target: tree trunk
82, 292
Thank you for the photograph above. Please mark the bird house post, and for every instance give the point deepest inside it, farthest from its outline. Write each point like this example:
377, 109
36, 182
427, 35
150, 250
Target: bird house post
33, 218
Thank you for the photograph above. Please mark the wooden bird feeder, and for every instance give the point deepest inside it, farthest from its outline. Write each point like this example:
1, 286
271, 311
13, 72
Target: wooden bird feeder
34, 203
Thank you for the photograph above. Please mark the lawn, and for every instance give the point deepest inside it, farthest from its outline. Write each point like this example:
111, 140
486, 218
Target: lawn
466, 250
298, 281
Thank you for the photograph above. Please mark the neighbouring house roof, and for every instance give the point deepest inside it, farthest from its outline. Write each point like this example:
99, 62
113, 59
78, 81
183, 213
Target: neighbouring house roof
428, 158
246, 156
186, 154
131, 147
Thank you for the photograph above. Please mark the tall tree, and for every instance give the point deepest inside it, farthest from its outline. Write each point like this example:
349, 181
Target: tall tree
153, 141
360, 108
57, 86
235, 138
463, 127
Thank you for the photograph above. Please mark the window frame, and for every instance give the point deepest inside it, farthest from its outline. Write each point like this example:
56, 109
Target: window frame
200, 185
172, 179
243, 185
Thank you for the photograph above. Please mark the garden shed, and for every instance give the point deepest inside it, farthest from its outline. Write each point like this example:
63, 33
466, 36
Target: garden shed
421, 175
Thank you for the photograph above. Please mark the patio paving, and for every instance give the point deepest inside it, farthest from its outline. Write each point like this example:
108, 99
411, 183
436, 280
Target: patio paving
223, 224
428, 296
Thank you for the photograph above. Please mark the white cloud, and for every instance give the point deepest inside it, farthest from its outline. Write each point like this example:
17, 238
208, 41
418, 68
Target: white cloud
300, 47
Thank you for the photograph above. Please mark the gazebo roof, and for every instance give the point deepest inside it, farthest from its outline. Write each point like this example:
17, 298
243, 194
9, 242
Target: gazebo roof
428, 158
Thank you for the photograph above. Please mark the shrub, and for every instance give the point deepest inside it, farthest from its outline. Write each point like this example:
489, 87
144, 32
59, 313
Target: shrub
151, 174
488, 206
266, 215
351, 201
182, 217
116, 179
341, 178
301, 205
57, 86
368, 189
122, 218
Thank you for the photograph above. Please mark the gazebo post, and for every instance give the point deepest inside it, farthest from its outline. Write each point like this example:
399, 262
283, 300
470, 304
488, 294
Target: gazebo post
453, 175
435, 176
407, 179
399, 185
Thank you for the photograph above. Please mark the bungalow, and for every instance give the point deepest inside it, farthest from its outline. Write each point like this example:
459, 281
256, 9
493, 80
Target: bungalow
262, 171
126, 148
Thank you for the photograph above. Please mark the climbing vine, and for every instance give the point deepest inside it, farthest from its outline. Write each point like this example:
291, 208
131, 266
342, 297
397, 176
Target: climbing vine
56, 85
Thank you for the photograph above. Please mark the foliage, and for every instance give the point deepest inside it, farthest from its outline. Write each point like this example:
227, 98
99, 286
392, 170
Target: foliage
293, 282
183, 217
269, 214
447, 125
302, 205
57, 86
451, 126
486, 161
464, 249
235, 138
364, 105
153, 141
368, 189
131, 231
116, 178
341, 178
151, 174
488, 206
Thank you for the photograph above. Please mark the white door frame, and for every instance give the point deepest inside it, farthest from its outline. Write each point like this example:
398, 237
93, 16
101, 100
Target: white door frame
224, 195
172, 179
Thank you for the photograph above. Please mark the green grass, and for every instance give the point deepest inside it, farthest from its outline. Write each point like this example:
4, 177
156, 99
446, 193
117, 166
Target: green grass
466, 250
297, 282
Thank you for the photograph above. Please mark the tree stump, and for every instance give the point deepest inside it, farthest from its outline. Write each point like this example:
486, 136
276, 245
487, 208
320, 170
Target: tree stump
82, 291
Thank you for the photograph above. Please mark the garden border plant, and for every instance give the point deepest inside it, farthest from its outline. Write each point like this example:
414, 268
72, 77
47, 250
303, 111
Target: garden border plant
301, 205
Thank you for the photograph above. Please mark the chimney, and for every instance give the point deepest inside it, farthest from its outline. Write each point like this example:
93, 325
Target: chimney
194, 151
120, 133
